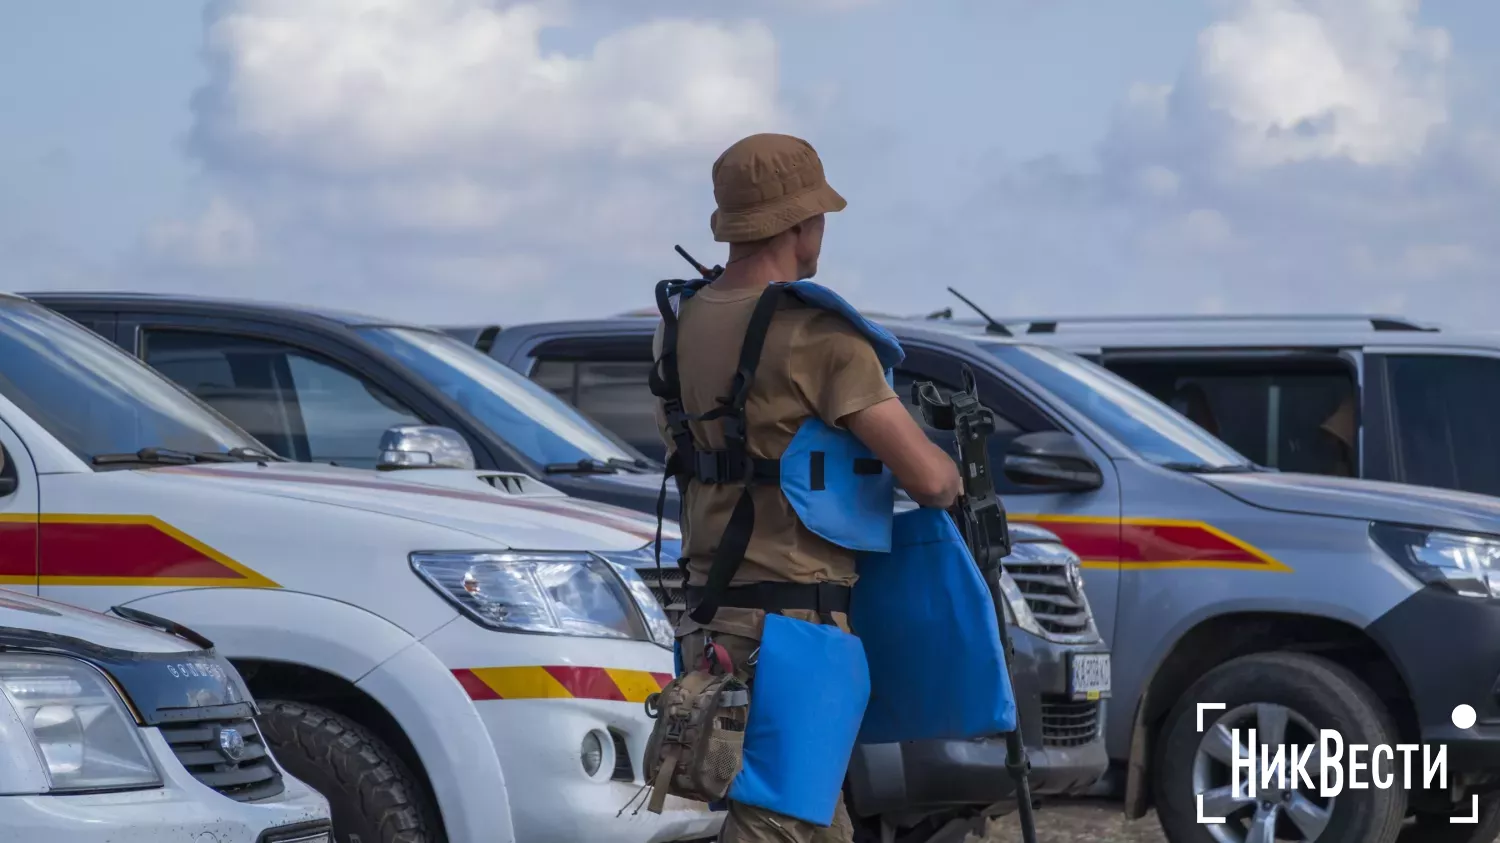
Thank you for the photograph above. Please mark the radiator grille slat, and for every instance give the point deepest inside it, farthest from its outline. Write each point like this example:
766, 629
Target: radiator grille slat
197, 746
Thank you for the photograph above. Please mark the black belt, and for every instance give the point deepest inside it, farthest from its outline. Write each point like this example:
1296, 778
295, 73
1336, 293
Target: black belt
823, 598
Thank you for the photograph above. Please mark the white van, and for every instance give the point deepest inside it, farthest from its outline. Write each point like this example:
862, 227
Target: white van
111, 732
444, 654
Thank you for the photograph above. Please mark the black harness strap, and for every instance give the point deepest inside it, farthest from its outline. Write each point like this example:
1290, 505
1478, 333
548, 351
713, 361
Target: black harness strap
731, 413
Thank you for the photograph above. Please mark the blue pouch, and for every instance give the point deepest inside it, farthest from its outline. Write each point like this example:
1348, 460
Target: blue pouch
806, 703
931, 637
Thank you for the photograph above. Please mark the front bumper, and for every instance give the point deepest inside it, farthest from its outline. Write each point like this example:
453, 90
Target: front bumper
1447, 649
554, 800
1064, 743
181, 811
539, 697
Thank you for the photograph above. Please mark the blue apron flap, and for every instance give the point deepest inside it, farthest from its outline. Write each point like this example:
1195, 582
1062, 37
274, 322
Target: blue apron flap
806, 702
821, 480
887, 347
931, 636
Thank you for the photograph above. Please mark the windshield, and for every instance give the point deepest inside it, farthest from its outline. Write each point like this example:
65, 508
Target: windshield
548, 430
95, 398
1153, 430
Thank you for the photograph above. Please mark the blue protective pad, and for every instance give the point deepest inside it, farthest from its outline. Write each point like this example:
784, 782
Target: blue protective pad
806, 702
851, 510
931, 636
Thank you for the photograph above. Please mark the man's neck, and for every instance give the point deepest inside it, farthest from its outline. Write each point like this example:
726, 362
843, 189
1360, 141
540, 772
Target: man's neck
753, 273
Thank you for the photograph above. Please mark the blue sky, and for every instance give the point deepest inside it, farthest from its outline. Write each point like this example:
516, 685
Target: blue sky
452, 160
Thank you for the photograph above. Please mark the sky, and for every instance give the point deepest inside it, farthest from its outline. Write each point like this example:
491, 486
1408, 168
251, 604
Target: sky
464, 161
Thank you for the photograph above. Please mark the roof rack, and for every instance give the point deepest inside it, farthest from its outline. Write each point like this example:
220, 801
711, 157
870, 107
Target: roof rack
1048, 325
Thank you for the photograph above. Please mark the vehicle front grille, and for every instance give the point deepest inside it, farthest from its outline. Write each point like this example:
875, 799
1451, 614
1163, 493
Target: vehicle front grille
1068, 722
1054, 598
670, 580
199, 746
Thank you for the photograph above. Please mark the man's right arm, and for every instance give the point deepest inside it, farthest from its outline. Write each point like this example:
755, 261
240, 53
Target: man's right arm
923, 469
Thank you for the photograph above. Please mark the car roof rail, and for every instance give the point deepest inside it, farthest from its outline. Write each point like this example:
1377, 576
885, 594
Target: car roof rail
1049, 325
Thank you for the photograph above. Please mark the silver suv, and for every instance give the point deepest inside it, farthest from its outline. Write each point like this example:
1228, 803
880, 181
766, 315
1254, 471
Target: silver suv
1295, 602
1379, 397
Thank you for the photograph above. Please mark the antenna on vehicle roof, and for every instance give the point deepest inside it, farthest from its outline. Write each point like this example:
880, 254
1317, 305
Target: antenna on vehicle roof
992, 326
710, 274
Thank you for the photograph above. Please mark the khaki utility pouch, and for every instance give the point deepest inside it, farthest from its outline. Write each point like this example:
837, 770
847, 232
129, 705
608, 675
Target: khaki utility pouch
698, 742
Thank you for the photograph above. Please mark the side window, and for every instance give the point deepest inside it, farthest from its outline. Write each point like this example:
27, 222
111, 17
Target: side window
559, 377
614, 393
1300, 418
9, 478
300, 404
1005, 428
1443, 421
618, 397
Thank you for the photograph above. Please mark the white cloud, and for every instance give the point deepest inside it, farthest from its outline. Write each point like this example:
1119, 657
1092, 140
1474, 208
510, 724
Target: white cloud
370, 85
1319, 79
442, 138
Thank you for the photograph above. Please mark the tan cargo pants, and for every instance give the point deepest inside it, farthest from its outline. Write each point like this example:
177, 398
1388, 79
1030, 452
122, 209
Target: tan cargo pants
746, 823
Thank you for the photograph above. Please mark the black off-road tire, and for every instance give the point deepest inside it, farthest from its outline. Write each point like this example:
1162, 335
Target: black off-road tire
1326, 694
374, 798
1435, 828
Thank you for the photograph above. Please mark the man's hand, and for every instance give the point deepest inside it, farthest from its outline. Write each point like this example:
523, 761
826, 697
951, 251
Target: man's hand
926, 473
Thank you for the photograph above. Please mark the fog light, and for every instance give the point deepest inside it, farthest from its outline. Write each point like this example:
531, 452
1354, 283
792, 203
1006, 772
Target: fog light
593, 754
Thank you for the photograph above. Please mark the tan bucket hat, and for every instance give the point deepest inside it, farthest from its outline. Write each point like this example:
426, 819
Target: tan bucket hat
765, 184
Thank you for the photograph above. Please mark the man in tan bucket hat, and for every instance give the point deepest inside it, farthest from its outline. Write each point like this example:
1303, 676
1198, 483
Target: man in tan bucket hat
814, 363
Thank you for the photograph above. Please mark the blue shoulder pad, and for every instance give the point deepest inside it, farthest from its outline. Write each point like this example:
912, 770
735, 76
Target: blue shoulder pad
931, 636
887, 348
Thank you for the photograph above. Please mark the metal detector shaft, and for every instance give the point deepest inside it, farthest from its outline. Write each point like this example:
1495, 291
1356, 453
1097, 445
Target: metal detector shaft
981, 518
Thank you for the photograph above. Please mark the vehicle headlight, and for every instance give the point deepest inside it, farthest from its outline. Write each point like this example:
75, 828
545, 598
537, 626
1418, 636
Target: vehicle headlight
558, 593
1468, 565
84, 735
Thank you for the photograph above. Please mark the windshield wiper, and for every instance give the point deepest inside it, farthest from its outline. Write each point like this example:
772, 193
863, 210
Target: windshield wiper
169, 456
147, 456
1203, 468
587, 465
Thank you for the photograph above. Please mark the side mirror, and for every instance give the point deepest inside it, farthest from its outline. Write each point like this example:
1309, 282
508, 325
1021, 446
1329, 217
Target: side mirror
1051, 460
423, 446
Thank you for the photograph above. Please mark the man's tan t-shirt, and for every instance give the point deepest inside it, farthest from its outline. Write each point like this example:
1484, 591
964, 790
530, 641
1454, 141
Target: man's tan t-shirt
815, 363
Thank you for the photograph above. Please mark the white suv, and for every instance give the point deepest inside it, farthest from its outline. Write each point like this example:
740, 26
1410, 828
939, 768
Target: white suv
112, 732
445, 654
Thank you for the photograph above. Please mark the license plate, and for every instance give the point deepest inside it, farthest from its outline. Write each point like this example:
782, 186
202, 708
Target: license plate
1088, 676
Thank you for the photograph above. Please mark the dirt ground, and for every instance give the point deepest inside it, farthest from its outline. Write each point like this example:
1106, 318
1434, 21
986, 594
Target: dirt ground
1078, 822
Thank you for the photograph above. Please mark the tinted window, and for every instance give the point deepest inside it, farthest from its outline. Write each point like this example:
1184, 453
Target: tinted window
617, 395
1295, 419
534, 421
301, 404
1150, 428
93, 397
1005, 429
1444, 410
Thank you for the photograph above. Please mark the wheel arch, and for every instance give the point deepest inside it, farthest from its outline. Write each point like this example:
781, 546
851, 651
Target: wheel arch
1220, 638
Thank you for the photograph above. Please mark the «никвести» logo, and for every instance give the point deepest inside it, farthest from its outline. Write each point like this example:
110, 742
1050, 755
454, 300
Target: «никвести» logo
1270, 775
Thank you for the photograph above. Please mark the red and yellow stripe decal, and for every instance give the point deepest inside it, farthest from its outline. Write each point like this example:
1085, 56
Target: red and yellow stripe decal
560, 683
119, 550
1141, 544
